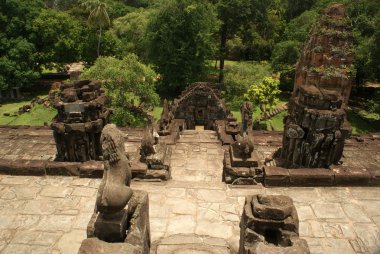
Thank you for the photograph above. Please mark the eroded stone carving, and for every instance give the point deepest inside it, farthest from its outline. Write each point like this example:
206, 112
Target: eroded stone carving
241, 162
114, 191
81, 117
316, 127
269, 224
246, 111
121, 215
155, 154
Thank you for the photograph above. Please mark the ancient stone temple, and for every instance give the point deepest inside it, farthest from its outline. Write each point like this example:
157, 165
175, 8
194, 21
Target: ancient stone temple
120, 223
316, 127
269, 224
81, 117
199, 104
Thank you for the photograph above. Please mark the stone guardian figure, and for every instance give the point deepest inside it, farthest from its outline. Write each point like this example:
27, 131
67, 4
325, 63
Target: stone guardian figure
114, 191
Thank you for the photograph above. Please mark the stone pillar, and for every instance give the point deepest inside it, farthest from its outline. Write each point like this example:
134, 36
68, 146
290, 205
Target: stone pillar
269, 224
81, 117
121, 215
316, 127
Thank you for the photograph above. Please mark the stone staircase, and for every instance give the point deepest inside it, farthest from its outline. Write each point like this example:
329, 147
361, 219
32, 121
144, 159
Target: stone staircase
273, 113
198, 136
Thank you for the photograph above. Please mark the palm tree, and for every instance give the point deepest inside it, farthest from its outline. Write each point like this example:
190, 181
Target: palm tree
98, 16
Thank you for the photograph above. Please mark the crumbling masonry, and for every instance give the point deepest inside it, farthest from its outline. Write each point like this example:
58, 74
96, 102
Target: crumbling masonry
81, 117
316, 127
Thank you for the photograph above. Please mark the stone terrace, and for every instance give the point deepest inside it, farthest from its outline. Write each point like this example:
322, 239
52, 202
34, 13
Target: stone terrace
31, 143
50, 214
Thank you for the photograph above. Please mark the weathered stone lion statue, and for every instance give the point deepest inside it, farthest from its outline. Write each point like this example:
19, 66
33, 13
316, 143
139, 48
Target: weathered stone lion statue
114, 191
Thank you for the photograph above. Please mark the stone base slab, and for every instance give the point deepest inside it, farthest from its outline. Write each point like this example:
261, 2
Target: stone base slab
189, 243
316, 177
351, 176
88, 169
138, 232
96, 246
253, 161
276, 176
311, 177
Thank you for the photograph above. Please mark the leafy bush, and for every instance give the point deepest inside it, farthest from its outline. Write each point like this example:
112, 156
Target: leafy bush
265, 94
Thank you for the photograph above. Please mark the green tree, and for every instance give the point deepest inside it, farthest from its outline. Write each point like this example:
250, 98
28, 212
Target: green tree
180, 41
129, 83
365, 18
297, 7
111, 45
265, 94
233, 14
285, 55
98, 16
239, 77
57, 37
298, 29
131, 30
17, 51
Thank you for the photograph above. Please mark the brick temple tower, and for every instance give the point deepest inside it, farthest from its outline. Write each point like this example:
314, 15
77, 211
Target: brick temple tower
316, 126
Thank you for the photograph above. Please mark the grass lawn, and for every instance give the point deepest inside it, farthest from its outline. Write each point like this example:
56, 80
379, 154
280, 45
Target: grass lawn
363, 122
156, 113
276, 123
36, 117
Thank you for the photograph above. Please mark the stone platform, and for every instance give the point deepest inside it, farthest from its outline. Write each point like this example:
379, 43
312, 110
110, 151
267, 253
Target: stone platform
46, 214
31, 151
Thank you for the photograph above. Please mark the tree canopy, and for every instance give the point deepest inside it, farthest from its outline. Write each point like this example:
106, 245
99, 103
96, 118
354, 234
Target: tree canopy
18, 61
265, 94
129, 83
180, 40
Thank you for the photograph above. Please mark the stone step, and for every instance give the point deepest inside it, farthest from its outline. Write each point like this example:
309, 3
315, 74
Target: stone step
192, 244
185, 132
198, 136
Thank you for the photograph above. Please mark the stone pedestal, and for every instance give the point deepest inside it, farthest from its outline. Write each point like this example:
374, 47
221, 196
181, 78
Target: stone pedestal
241, 164
155, 155
104, 232
269, 224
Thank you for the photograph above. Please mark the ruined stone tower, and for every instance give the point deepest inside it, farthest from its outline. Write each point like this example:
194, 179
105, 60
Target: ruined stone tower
316, 126
80, 120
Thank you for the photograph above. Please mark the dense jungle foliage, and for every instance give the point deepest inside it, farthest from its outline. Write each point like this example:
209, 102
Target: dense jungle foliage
237, 42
